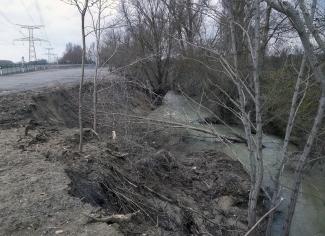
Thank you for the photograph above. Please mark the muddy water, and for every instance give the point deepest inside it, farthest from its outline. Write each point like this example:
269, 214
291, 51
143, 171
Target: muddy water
309, 216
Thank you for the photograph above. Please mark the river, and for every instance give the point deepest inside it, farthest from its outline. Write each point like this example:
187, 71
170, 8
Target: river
309, 218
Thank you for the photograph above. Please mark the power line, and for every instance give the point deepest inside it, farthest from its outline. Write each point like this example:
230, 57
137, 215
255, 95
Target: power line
27, 10
31, 40
10, 22
30, 29
6, 18
41, 19
39, 11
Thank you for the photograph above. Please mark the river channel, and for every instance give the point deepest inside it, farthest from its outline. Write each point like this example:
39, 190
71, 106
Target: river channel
309, 218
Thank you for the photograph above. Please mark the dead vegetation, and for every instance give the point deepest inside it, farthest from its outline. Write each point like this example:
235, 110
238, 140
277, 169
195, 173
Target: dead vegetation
143, 185
195, 193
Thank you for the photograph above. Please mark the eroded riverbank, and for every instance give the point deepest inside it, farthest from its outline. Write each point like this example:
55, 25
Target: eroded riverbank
310, 211
178, 189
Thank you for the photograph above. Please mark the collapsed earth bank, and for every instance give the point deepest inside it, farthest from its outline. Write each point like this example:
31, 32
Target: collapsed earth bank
149, 171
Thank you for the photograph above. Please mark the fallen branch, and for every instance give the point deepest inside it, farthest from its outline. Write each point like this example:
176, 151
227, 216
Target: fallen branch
162, 197
176, 203
94, 132
118, 218
221, 138
117, 154
90, 130
113, 150
263, 217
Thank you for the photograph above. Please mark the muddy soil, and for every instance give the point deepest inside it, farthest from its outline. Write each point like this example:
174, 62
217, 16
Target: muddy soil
48, 107
34, 197
48, 188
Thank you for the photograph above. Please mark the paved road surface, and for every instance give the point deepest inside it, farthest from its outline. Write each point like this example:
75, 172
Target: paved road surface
39, 79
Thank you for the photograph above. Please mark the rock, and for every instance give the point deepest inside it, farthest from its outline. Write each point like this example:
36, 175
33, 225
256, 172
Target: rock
237, 224
217, 219
225, 203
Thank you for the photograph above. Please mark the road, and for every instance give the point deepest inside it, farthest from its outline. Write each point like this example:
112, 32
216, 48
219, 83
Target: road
40, 79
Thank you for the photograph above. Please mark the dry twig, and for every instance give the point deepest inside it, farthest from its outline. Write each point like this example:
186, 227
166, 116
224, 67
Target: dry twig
118, 218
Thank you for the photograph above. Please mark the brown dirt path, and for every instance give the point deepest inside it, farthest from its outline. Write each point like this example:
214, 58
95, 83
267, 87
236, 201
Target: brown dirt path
34, 199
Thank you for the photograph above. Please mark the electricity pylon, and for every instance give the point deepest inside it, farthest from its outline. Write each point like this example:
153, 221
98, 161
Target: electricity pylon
31, 40
49, 54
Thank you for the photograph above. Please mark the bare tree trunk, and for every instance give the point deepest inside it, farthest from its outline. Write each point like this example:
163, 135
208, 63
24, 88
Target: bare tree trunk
97, 28
309, 22
283, 158
302, 160
242, 98
255, 188
255, 150
298, 23
83, 13
95, 95
256, 158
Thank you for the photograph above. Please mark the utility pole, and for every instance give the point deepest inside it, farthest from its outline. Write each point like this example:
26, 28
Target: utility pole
56, 58
49, 54
31, 40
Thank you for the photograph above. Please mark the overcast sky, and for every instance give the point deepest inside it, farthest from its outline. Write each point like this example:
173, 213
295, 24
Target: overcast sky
61, 21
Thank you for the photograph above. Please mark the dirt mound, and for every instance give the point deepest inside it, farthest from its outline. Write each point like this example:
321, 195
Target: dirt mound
194, 194
55, 108
50, 107
59, 106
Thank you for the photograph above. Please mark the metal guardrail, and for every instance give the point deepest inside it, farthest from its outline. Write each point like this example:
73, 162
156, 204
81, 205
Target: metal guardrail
22, 69
30, 68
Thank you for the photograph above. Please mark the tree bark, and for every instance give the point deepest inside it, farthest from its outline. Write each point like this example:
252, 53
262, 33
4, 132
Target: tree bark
97, 29
309, 22
255, 188
83, 13
241, 95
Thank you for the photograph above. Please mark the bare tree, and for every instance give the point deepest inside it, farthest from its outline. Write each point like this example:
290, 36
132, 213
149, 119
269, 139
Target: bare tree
284, 152
255, 189
100, 7
254, 144
244, 93
72, 54
187, 20
82, 6
149, 24
301, 25
295, 103
244, 115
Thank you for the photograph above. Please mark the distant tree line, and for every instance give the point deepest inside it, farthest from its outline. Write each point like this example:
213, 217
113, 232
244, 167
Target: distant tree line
73, 55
